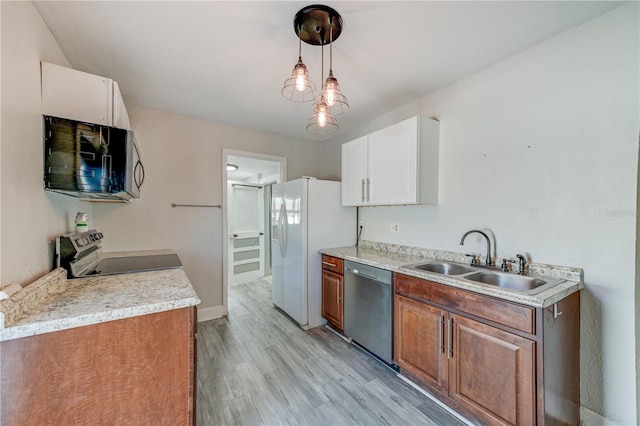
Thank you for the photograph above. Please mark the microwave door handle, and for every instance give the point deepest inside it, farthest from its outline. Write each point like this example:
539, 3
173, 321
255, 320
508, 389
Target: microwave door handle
138, 174
106, 166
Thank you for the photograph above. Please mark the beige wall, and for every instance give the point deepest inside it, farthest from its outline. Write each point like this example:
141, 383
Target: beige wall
30, 217
182, 158
542, 149
543, 145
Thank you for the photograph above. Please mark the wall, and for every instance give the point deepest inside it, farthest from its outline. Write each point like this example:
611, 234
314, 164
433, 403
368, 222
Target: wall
30, 216
542, 150
183, 158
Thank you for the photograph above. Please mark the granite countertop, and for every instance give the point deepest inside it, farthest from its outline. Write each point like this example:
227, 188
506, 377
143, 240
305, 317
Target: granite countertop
55, 303
394, 257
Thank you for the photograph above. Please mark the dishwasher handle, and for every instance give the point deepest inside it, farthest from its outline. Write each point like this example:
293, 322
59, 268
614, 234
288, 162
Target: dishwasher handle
355, 271
368, 272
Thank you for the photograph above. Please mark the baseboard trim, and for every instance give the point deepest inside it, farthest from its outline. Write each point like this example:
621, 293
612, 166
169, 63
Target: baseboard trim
436, 400
214, 312
591, 418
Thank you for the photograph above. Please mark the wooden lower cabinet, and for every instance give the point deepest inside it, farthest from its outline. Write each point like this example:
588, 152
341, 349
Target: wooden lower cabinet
138, 370
492, 372
481, 362
333, 291
332, 299
419, 341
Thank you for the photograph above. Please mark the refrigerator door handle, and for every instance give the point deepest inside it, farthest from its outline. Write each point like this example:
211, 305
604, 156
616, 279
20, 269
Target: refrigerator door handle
280, 230
285, 233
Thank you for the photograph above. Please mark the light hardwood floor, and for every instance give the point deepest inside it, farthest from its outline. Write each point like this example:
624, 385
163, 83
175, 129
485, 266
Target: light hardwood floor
257, 367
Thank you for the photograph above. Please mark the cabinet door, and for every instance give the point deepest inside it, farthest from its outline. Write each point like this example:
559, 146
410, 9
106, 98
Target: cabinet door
492, 373
76, 95
120, 116
332, 298
137, 371
419, 342
354, 172
393, 164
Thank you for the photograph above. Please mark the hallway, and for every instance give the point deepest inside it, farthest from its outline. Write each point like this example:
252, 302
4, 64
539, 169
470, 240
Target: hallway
258, 368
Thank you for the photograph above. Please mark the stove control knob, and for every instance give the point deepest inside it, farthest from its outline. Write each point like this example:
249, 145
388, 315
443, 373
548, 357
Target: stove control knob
100, 236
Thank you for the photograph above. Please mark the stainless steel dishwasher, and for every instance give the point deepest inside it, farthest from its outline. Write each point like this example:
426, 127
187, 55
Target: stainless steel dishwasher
368, 308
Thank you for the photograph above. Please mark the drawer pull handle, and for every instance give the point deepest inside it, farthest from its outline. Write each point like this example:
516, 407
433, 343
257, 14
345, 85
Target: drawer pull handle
450, 354
441, 334
329, 264
556, 312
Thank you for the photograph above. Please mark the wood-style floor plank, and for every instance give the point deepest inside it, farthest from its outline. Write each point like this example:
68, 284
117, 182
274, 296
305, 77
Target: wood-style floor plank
257, 367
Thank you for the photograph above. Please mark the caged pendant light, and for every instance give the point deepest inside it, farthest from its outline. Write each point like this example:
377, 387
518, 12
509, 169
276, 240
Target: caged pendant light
322, 122
331, 89
298, 87
317, 25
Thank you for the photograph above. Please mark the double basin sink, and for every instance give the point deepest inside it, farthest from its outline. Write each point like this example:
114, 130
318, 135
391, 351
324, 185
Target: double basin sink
506, 280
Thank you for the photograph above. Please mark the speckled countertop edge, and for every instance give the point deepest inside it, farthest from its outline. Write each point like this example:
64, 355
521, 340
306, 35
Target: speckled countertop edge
393, 257
31, 297
86, 301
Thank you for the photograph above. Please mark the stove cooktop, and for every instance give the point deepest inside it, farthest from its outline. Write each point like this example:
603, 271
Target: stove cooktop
125, 265
81, 255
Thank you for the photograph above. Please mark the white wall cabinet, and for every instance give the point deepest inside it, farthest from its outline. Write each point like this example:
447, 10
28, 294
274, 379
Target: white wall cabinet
393, 166
77, 95
120, 115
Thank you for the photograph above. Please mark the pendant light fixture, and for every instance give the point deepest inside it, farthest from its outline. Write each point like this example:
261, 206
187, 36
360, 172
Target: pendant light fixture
331, 89
299, 87
322, 122
317, 25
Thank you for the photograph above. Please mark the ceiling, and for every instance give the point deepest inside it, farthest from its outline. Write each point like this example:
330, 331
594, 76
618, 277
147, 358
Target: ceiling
252, 169
226, 61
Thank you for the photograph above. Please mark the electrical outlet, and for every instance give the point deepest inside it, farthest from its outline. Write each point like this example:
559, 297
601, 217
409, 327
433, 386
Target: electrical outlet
362, 224
395, 227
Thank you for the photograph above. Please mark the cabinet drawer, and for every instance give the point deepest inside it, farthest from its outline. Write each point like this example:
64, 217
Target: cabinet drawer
501, 312
333, 264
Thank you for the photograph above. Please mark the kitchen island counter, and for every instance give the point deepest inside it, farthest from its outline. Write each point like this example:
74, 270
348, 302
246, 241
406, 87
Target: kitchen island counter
55, 303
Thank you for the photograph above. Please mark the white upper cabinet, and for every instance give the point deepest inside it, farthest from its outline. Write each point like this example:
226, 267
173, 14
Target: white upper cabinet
120, 115
77, 95
354, 154
396, 165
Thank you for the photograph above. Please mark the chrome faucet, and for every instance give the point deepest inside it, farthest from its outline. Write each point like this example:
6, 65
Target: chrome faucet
522, 264
488, 259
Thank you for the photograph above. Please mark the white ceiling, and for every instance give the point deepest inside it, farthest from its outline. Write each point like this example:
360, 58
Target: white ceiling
249, 168
226, 61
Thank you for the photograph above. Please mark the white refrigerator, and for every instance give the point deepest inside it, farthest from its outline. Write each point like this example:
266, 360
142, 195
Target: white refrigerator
306, 215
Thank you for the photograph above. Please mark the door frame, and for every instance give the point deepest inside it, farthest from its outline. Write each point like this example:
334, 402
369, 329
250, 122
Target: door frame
225, 229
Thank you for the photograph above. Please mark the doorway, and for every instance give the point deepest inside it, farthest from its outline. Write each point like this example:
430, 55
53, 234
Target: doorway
247, 250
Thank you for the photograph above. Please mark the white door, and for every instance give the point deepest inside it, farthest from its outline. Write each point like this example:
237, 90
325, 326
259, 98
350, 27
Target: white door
246, 224
393, 164
354, 172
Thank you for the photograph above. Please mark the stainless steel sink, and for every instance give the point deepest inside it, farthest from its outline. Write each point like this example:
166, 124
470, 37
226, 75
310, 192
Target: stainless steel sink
520, 283
442, 267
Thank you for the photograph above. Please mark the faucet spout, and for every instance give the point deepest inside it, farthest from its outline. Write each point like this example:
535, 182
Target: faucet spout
488, 261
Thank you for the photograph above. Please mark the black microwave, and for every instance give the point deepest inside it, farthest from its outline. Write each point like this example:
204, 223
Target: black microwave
90, 161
